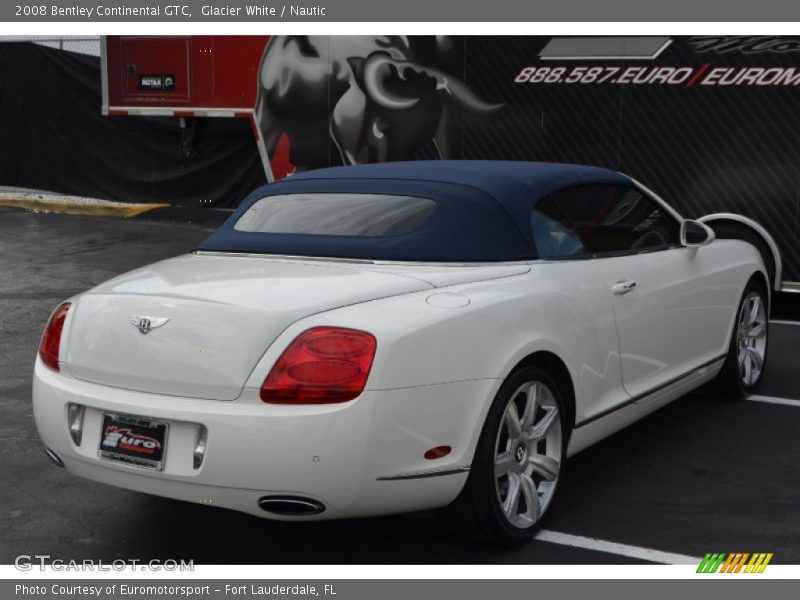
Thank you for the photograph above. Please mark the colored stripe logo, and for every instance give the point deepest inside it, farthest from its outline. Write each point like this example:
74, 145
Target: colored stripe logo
736, 562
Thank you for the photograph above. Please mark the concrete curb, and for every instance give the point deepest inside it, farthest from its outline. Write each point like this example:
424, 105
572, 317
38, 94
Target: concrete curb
75, 205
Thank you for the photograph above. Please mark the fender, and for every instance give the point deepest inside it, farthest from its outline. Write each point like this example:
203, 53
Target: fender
777, 283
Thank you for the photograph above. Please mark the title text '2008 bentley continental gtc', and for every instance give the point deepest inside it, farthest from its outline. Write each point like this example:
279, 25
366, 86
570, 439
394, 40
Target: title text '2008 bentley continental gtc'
398, 337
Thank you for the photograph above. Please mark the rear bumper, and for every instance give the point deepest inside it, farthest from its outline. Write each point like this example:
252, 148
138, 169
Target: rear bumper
355, 457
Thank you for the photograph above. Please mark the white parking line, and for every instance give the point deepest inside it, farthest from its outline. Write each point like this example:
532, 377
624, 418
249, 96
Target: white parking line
648, 554
782, 322
774, 400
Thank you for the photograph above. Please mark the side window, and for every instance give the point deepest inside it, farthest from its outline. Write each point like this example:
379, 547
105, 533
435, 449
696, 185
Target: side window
552, 231
613, 218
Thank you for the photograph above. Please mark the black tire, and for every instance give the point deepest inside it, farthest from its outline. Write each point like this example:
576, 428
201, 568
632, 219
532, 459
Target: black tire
477, 513
731, 379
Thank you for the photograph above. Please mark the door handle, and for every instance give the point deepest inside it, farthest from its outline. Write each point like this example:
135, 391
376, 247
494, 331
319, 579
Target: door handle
623, 287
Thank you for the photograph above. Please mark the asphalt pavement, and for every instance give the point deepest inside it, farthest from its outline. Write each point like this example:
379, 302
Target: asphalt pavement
703, 474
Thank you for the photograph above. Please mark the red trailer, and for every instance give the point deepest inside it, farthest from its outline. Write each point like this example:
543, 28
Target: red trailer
186, 77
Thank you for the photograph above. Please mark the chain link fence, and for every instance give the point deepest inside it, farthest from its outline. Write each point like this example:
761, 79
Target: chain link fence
83, 44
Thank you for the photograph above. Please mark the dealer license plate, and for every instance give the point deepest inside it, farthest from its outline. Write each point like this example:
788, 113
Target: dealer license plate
138, 441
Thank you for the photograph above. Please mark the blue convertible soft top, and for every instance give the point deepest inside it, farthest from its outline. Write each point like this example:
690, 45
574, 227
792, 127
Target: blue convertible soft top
482, 210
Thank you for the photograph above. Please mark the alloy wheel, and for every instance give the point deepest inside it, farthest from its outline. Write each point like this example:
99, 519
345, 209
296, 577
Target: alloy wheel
751, 339
528, 454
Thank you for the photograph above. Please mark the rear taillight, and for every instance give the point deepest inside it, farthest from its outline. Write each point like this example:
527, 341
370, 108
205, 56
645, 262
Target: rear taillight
51, 339
323, 365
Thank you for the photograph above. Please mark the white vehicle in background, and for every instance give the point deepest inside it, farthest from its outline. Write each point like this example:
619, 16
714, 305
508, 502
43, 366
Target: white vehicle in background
398, 337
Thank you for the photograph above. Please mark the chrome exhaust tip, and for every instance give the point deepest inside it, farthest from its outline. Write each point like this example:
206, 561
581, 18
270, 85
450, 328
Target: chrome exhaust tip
291, 506
51, 454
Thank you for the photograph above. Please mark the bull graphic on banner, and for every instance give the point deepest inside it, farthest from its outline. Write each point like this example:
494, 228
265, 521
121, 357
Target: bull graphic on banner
351, 100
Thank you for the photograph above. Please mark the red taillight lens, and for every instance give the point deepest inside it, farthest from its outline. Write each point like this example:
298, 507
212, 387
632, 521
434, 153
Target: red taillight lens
51, 339
323, 365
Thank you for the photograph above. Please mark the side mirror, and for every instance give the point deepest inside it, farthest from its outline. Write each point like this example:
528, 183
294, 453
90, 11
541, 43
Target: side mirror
695, 234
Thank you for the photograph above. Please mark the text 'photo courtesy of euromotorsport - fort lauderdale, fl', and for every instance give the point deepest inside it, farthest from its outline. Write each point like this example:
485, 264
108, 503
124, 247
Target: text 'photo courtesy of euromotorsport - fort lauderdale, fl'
301, 315
173, 591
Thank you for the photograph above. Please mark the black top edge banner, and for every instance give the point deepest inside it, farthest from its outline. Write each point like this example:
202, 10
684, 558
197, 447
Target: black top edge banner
449, 11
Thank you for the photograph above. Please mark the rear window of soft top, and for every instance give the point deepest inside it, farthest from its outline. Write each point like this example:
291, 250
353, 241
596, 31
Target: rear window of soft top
337, 214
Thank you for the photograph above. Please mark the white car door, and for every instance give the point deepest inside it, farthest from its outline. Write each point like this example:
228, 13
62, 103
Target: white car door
671, 304
672, 321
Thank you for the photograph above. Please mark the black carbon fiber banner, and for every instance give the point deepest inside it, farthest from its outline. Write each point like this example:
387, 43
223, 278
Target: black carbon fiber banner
711, 123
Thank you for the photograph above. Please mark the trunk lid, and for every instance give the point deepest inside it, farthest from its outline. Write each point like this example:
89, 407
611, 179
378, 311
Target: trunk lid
222, 313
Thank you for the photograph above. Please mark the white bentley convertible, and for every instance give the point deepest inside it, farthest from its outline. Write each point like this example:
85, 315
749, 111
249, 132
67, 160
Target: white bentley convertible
397, 337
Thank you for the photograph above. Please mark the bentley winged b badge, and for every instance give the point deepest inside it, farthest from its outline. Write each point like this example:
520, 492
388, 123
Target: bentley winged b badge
145, 324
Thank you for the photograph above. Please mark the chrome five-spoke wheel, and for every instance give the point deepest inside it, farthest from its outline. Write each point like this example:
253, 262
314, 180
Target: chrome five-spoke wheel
528, 454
